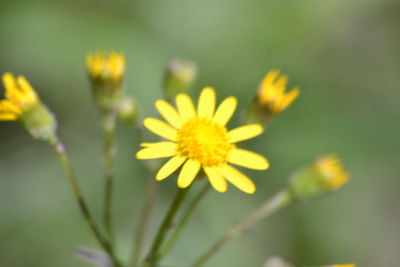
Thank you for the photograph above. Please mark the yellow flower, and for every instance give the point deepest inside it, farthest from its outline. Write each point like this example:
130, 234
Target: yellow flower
344, 265
332, 172
198, 139
323, 176
19, 95
24, 105
271, 93
106, 65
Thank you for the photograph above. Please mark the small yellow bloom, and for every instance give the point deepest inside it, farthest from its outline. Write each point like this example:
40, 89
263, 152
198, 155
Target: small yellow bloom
106, 66
198, 139
19, 97
272, 95
106, 72
344, 265
323, 176
332, 172
22, 103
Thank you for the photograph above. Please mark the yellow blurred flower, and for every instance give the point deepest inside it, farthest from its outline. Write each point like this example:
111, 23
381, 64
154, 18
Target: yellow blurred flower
323, 176
199, 139
19, 97
344, 265
22, 103
103, 65
332, 172
272, 95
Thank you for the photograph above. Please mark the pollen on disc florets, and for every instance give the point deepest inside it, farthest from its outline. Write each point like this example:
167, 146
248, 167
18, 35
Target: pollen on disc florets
205, 141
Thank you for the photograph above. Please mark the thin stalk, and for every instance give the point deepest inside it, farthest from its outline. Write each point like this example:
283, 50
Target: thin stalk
66, 164
153, 256
279, 201
182, 224
144, 221
109, 155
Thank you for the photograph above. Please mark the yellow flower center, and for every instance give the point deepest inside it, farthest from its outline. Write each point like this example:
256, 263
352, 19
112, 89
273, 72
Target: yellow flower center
205, 141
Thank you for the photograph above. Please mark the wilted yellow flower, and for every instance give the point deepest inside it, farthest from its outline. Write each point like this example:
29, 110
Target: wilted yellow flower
106, 66
331, 171
21, 103
179, 77
324, 175
199, 139
272, 95
19, 95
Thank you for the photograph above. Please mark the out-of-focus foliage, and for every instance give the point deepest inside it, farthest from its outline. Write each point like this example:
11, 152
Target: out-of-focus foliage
344, 56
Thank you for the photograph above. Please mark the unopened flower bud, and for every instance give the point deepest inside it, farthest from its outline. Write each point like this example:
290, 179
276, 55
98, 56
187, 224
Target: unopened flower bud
326, 174
271, 98
106, 73
179, 77
22, 104
128, 110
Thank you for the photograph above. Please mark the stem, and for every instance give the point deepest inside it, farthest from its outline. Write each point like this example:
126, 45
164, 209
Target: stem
153, 257
66, 164
182, 224
109, 154
280, 200
144, 221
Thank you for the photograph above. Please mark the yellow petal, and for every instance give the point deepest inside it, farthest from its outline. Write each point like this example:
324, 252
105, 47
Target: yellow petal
245, 132
185, 106
9, 81
188, 173
216, 180
169, 113
160, 128
225, 110
237, 179
8, 106
288, 99
169, 167
159, 150
248, 159
206, 103
8, 117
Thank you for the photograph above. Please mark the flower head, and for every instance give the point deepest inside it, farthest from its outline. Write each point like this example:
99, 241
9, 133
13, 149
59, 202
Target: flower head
324, 175
22, 103
19, 97
272, 93
344, 265
106, 66
106, 72
331, 171
179, 77
198, 139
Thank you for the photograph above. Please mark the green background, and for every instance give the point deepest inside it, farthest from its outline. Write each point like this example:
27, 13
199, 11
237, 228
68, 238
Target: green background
345, 57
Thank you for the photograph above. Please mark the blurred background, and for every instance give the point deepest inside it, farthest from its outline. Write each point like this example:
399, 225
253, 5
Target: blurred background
345, 57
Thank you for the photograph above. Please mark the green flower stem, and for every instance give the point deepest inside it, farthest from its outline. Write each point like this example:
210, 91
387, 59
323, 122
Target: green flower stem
109, 121
279, 201
144, 221
66, 164
153, 257
182, 224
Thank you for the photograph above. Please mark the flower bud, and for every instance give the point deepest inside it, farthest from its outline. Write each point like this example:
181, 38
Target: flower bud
106, 73
128, 110
22, 104
271, 98
179, 77
326, 174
